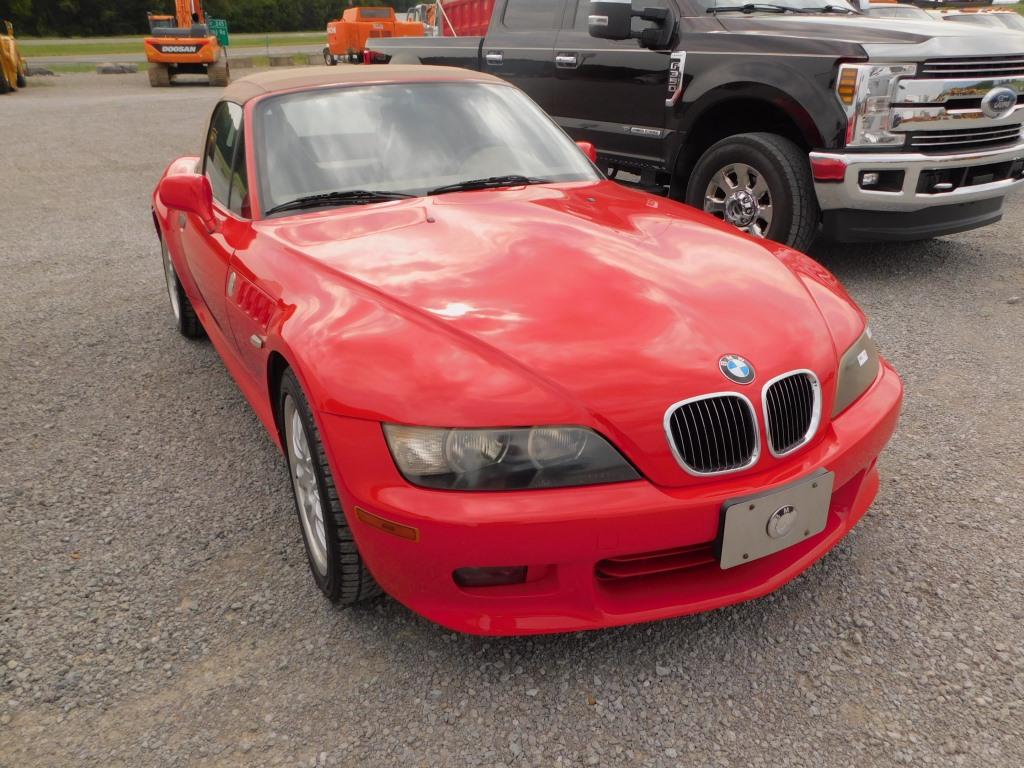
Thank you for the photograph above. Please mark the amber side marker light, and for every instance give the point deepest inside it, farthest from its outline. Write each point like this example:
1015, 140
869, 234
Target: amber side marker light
847, 85
388, 526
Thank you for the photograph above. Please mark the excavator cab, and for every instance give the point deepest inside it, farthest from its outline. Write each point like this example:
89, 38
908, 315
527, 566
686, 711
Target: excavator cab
182, 45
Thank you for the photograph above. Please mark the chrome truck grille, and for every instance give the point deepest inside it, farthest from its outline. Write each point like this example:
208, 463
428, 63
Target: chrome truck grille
713, 434
792, 410
964, 140
948, 108
974, 66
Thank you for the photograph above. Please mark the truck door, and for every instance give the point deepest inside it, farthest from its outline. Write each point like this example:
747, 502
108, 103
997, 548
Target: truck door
519, 47
612, 92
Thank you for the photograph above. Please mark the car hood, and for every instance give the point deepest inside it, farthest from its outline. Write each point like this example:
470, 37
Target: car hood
908, 39
619, 303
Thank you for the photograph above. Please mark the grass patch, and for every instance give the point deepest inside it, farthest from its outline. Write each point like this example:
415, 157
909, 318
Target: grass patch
115, 46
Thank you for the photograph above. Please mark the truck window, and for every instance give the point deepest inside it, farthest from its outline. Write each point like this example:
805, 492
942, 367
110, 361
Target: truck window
374, 13
531, 14
583, 11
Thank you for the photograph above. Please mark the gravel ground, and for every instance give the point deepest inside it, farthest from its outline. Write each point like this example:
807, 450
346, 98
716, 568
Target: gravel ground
156, 604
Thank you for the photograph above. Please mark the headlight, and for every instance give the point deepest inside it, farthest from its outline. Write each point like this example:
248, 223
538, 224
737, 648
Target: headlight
857, 370
505, 459
866, 92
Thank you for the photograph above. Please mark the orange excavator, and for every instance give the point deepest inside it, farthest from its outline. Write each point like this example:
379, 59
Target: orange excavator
182, 45
347, 36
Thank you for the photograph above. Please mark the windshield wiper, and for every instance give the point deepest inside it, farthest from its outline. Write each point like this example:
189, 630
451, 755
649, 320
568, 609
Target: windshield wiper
831, 9
489, 182
346, 197
755, 8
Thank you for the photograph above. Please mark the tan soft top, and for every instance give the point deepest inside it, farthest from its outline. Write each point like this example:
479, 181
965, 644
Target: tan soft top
253, 86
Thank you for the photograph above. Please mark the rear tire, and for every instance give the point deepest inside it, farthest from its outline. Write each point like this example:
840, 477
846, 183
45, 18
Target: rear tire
334, 560
219, 73
185, 318
780, 188
329, 58
159, 75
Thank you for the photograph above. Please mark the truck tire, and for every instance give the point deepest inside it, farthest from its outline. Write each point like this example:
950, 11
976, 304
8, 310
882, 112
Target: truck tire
761, 183
329, 58
334, 560
219, 73
22, 81
159, 75
5, 87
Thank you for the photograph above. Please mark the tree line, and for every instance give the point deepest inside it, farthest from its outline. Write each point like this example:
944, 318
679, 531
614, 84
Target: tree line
63, 18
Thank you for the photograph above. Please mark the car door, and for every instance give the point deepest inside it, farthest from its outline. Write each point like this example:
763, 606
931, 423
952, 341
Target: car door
519, 47
207, 252
612, 91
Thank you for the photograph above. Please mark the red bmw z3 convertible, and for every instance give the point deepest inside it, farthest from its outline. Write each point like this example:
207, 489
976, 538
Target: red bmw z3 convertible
512, 394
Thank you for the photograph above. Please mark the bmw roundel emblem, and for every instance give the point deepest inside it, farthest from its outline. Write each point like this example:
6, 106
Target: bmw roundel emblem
736, 369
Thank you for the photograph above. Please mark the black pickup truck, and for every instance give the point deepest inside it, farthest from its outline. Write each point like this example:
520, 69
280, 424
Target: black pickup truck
787, 119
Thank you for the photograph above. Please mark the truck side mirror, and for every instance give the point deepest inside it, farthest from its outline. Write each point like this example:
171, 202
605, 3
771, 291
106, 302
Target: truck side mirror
189, 193
611, 19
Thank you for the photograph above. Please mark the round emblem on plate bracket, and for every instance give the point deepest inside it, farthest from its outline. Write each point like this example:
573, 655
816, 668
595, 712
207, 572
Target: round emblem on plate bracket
736, 368
781, 522
999, 102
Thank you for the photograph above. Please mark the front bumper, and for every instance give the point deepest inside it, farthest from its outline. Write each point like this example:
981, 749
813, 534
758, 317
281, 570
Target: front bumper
563, 534
915, 191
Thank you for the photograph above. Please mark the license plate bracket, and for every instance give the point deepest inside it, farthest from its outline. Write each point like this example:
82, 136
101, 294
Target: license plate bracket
762, 524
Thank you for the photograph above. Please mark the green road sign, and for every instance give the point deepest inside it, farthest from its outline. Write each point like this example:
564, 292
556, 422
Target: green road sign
219, 27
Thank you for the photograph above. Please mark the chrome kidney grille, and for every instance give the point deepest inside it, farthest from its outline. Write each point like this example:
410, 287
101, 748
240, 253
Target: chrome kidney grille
792, 410
713, 434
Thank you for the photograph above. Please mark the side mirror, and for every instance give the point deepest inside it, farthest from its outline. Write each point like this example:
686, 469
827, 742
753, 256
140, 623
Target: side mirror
610, 19
613, 20
190, 193
589, 150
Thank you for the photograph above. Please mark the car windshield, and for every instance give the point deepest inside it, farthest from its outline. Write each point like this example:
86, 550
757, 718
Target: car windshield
406, 138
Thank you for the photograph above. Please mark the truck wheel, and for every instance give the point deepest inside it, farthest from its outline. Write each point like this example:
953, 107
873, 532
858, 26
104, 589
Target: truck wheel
22, 81
219, 73
159, 75
334, 558
329, 58
760, 183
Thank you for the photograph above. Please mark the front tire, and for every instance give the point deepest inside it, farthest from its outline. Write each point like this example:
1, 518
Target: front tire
185, 318
334, 560
159, 75
760, 183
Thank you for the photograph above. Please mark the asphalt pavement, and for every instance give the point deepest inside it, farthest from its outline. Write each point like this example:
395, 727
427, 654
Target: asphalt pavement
155, 605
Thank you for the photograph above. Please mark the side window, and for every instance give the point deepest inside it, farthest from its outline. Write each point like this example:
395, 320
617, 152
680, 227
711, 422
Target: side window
238, 200
531, 14
225, 131
583, 11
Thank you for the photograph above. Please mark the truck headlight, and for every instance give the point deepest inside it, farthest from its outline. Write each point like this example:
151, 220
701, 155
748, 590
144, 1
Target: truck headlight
858, 368
866, 92
505, 459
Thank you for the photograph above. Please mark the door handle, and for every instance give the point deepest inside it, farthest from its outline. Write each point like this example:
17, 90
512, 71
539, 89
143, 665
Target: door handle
566, 61
494, 58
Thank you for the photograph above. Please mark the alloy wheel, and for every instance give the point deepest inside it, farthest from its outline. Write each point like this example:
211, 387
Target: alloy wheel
304, 482
739, 194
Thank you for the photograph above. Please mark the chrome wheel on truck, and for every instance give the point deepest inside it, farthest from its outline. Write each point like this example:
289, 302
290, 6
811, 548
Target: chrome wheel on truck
739, 194
760, 183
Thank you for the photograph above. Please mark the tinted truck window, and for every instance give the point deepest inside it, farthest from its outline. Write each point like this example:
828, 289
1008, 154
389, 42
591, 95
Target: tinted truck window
531, 14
